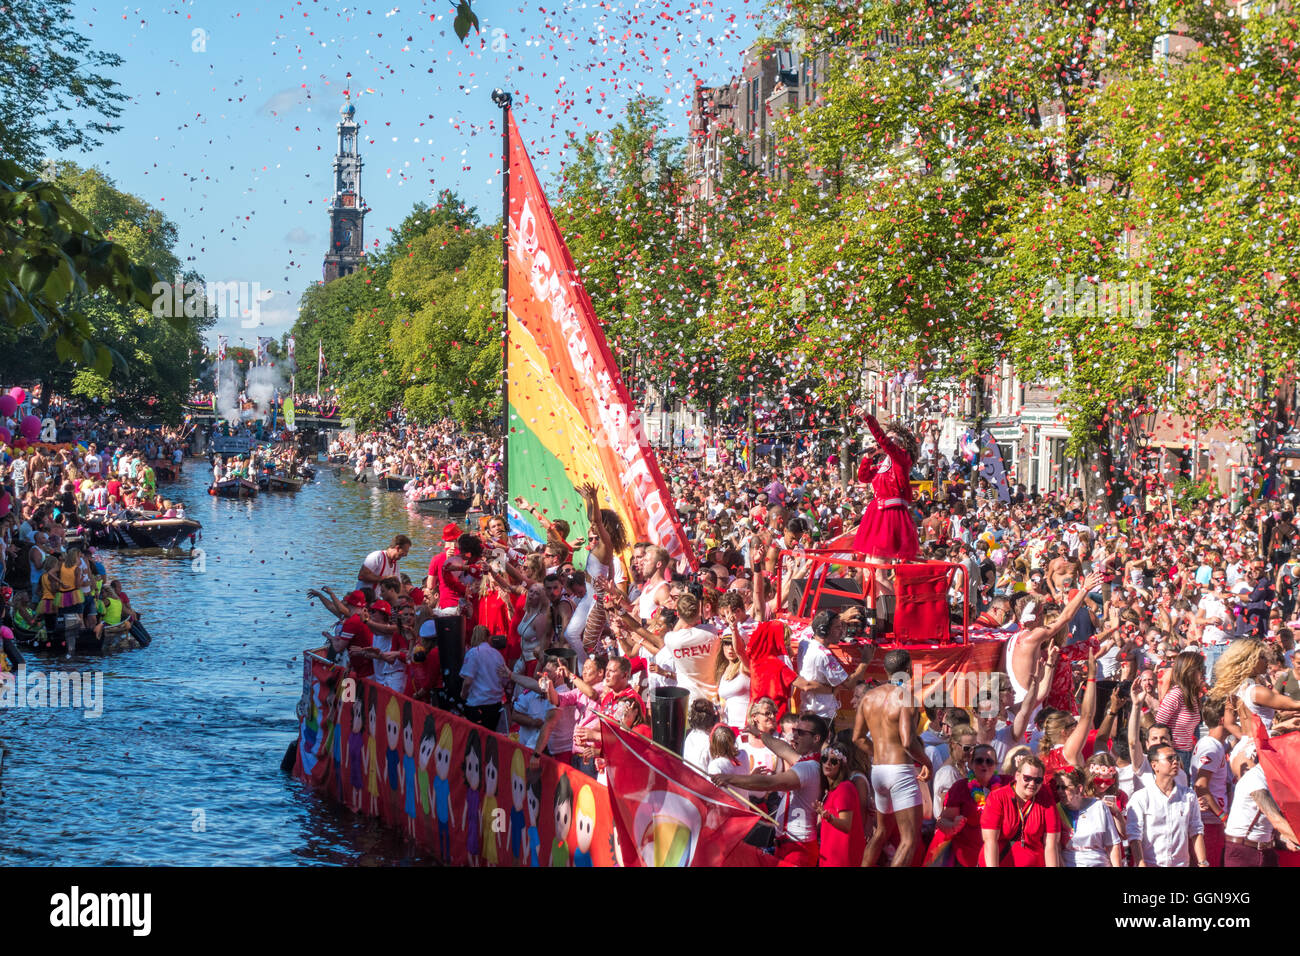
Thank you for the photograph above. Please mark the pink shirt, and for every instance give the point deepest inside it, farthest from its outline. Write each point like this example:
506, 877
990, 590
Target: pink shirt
583, 709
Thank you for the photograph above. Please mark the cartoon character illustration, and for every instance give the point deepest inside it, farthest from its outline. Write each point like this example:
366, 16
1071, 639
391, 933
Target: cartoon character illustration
336, 737
393, 753
533, 839
470, 819
491, 780
407, 771
372, 750
442, 790
563, 820
356, 756
428, 744
585, 824
310, 735
518, 788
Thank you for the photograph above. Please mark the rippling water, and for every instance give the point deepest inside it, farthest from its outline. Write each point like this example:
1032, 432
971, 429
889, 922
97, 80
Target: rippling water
184, 765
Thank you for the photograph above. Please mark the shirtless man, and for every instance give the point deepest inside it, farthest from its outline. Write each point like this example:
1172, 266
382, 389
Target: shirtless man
888, 715
654, 592
1025, 647
1058, 567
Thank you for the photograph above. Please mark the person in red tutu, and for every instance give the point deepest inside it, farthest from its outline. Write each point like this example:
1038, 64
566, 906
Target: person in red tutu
887, 532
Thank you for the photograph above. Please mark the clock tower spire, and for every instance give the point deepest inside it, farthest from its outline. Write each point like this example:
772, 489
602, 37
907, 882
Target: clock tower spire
347, 209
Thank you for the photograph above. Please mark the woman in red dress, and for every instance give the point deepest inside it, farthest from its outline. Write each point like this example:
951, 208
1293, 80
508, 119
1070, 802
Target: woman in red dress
887, 531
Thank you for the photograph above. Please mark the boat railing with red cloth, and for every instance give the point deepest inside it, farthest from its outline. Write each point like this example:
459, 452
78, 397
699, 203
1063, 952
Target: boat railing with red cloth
950, 662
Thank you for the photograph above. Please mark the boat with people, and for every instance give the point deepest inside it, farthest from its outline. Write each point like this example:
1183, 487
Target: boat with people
397, 482
119, 637
167, 530
276, 482
444, 504
234, 487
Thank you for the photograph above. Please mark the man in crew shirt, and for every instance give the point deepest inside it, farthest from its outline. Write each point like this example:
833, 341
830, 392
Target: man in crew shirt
693, 649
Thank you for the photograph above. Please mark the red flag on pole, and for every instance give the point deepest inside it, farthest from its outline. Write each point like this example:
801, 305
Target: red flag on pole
667, 813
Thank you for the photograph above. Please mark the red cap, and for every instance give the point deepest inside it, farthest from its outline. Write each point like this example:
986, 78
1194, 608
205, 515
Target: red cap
450, 533
383, 606
417, 595
355, 599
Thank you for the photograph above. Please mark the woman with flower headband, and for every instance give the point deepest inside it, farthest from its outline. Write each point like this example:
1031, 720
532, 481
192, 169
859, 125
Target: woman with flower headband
957, 835
842, 840
1088, 834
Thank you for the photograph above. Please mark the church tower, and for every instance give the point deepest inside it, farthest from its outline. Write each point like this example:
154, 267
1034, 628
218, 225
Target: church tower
347, 208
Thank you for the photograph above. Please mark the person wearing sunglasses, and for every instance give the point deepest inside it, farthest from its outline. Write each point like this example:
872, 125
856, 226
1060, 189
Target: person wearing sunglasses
1019, 824
957, 829
1088, 834
961, 744
842, 839
1164, 818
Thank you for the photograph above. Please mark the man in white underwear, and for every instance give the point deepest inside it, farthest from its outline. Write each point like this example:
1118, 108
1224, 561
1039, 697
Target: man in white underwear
888, 715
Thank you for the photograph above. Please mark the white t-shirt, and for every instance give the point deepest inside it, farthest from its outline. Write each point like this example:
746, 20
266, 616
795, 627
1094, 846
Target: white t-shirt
378, 562
695, 749
759, 756
816, 663
392, 674
531, 705
734, 694
944, 778
485, 665
936, 748
1212, 756
92, 465
796, 812
1094, 833
693, 651
1244, 809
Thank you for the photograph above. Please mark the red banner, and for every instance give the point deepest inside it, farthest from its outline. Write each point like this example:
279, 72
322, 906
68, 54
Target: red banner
672, 814
1280, 758
467, 796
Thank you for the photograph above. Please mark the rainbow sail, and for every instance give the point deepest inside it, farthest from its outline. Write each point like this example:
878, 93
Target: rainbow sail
569, 418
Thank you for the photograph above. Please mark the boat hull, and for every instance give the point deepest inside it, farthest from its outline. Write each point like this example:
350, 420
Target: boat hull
234, 488
169, 534
444, 505
397, 482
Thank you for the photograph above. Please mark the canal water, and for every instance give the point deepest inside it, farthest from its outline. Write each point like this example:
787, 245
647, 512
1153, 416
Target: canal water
183, 766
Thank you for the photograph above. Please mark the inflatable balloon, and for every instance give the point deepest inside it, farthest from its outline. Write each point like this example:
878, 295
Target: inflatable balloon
8, 405
19, 394
31, 428
20, 444
5, 436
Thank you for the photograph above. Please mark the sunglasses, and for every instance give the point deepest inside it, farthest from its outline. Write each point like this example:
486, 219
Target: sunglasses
983, 761
832, 758
1036, 781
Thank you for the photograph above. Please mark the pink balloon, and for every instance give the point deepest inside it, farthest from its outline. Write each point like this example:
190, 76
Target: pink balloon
6, 436
7, 405
19, 394
31, 428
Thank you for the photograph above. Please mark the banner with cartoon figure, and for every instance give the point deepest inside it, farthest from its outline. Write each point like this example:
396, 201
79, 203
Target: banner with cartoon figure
466, 795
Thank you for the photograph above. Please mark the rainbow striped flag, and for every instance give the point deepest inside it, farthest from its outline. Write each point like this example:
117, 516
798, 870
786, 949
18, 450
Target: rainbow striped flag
569, 418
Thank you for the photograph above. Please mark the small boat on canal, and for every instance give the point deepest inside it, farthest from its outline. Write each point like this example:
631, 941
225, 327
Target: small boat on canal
234, 488
139, 529
444, 504
397, 482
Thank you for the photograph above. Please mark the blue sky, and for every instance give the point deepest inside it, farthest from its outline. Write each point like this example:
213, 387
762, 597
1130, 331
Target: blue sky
230, 128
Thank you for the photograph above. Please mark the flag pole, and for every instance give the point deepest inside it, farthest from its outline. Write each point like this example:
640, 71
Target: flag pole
320, 351
503, 99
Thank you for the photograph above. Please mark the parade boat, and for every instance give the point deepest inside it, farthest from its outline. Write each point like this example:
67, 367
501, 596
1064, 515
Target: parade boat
166, 470
123, 636
234, 488
140, 529
282, 483
445, 504
397, 482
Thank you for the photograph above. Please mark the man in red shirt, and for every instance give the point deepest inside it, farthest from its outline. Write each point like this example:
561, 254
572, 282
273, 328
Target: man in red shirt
433, 580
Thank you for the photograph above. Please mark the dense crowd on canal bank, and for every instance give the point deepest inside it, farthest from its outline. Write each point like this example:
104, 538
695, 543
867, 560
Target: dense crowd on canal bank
1146, 648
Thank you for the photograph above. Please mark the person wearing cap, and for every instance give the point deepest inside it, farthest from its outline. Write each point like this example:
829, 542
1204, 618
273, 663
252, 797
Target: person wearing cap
389, 646
433, 579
